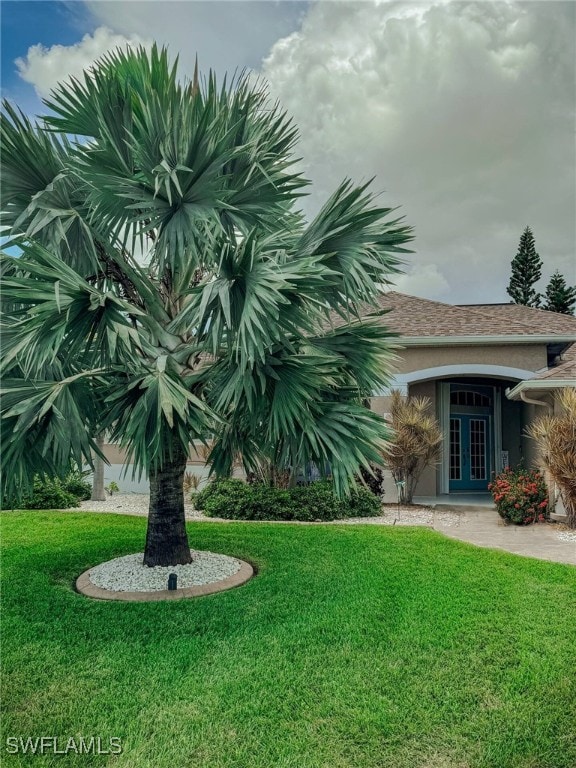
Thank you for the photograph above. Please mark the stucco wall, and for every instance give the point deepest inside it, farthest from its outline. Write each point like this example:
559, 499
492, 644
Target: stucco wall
117, 455
380, 405
127, 484
512, 425
531, 357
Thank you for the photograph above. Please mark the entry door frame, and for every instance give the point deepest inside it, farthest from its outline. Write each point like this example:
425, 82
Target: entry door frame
443, 394
465, 453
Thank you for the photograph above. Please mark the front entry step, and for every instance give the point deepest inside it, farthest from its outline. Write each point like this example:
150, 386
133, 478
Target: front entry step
463, 507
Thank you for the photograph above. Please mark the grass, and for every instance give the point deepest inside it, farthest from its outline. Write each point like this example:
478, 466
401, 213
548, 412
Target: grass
354, 647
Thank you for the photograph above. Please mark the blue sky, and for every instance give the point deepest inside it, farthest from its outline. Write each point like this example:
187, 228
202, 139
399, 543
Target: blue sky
28, 23
464, 112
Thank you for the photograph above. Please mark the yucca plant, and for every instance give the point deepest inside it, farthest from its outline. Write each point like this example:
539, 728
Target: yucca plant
168, 288
415, 444
191, 482
555, 436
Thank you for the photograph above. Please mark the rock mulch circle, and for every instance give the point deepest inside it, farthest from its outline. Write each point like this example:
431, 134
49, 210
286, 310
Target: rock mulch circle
127, 578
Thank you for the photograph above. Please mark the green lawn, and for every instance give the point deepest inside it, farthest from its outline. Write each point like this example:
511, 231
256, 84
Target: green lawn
355, 646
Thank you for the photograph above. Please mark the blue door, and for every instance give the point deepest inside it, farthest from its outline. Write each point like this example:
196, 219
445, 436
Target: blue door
469, 452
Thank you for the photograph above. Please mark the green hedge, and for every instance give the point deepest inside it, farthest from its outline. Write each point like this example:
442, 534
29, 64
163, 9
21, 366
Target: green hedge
49, 493
53, 493
236, 500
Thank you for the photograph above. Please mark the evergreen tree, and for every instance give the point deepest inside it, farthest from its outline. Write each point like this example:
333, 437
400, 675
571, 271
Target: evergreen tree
526, 271
559, 296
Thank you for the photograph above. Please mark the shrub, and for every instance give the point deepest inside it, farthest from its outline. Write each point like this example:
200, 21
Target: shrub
316, 501
265, 502
374, 482
234, 499
222, 498
520, 496
76, 484
49, 493
364, 503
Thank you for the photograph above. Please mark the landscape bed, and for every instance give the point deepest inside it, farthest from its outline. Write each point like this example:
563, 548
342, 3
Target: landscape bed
353, 647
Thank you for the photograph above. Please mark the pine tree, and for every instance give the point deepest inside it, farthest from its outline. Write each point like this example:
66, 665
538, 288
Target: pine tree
526, 271
559, 296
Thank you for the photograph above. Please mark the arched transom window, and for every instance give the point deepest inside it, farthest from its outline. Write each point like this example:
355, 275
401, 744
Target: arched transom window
469, 398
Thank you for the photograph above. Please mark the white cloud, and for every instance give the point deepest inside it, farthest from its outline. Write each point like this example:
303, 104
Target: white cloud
425, 281
225, 35
464, 112
44, 67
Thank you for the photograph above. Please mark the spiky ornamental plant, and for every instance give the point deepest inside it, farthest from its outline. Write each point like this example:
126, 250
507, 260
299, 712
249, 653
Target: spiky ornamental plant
559, 296
415, 444
555, 437
526, 271
168, 288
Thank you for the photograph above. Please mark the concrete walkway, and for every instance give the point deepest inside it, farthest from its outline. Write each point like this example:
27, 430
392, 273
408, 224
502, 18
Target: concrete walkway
484, 528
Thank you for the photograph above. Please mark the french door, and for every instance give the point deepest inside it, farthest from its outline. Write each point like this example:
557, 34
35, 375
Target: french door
469, 452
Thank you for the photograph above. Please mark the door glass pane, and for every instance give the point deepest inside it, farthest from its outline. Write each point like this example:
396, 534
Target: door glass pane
455, 442
477, 449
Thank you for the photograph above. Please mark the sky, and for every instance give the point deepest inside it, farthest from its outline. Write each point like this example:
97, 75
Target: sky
462, 113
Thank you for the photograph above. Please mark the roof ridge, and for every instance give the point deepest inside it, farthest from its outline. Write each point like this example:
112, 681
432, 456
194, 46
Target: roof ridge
464, 308
513, 304
486, 315
419, 298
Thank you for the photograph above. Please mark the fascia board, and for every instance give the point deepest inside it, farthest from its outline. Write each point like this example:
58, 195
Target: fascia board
444, 341
539, 384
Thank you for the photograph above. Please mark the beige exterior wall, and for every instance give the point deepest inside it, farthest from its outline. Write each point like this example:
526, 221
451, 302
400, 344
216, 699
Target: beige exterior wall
531, 357
512, 425
117, 455
530, 413
380, 405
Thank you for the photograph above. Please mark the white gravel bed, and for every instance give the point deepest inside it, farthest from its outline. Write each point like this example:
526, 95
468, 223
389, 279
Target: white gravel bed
125, 503
567, 536
129, 504
408, 516
129, 574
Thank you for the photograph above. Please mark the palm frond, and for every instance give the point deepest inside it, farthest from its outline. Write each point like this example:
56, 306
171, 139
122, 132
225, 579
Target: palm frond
47, 425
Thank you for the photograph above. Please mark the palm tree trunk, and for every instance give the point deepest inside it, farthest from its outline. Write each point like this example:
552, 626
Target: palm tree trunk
98, 492
166, 538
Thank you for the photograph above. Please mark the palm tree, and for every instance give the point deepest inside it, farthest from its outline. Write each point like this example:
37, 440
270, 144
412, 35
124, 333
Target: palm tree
168, 288
555, 436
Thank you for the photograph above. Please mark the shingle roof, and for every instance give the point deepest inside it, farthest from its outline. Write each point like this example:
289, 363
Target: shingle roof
411, 316
535, 318
564, 369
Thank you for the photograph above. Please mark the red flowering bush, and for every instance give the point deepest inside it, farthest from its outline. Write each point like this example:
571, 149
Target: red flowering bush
520, 496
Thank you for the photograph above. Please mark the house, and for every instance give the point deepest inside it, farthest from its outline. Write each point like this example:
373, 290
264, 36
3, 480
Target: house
482, 366
488, 370
543, 390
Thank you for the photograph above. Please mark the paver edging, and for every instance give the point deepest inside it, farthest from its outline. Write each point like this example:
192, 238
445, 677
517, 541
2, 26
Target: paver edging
85, 587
